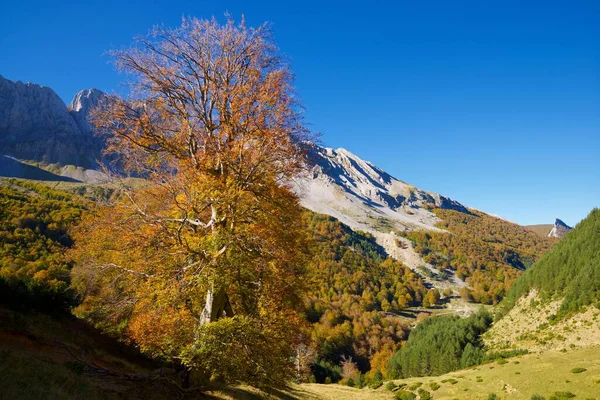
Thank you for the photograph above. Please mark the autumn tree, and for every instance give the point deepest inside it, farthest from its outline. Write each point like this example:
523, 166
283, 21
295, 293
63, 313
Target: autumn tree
201, 261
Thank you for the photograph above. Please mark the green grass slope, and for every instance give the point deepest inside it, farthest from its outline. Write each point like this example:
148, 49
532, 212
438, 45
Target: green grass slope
570, 271
545, 374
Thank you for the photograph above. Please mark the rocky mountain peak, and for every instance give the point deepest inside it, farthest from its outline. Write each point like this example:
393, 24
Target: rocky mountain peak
81, 105
85, 99
35, 124
365, 183
559, 229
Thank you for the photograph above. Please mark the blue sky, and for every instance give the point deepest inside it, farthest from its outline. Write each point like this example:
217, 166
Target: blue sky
493, 103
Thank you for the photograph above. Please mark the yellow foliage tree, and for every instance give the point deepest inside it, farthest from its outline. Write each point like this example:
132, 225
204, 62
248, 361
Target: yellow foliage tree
203, 262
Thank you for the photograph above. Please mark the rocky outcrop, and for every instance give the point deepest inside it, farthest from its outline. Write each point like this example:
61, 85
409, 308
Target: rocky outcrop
35, 124
366, 198
81, 106
559, 229
369, 184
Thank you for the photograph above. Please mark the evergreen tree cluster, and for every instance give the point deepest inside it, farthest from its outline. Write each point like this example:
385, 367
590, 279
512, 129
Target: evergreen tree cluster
440, 345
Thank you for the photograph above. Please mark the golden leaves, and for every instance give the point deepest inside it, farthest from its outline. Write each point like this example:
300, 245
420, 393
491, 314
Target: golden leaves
213, 128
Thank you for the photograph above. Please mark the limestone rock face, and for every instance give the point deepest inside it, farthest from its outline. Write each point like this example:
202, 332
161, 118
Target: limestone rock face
360, 194
81, 105
36, 125
559, 229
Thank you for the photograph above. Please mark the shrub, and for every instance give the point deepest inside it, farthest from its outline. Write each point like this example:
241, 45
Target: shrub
537, 397
451, 381
578, 370
492, 396
359, 381
424, 394
390, 386
415, 386
327, 380
434, 386
375, 384
377, 380
562, 396
312, 379
404, 395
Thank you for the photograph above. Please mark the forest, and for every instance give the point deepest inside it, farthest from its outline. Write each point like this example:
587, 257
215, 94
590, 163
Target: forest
356, 295
352, 301
440, 345
34, 225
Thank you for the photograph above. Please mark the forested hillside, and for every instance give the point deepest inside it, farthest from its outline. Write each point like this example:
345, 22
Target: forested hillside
486, 252
353, 302
34, 224
355, 295
571, 271
440, 345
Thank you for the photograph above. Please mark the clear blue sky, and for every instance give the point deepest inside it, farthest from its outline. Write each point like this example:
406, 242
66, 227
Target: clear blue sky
493, 103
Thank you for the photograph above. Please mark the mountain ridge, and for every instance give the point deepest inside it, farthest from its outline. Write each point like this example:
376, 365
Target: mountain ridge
559, 229
36, 125
338, 182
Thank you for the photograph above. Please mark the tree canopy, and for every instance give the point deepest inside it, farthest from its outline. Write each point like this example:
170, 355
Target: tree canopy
441, 344
207, 256
34, 224
486, 252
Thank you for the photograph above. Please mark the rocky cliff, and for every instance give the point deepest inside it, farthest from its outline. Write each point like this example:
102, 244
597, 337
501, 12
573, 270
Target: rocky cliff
363, 196
36, 125
559, 229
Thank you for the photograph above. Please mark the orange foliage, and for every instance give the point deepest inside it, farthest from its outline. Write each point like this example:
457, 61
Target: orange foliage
214, 129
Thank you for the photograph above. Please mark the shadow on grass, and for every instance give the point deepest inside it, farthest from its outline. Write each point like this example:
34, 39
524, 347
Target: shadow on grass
240, 393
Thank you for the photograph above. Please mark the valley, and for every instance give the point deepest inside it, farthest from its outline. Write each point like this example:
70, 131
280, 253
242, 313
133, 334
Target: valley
189, 235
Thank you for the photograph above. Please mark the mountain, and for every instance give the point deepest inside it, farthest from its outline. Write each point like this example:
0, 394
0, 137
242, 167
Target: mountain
362, 195
559, 229
366, 198
556, 230
36, 125
81, 105
42, 138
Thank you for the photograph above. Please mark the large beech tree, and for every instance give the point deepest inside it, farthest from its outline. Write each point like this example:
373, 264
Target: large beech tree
201, 259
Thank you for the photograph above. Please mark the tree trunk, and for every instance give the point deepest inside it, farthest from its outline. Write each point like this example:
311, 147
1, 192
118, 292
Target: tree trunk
217, 306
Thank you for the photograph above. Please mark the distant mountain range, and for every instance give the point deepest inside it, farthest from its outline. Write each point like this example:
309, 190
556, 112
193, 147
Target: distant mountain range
42, 138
